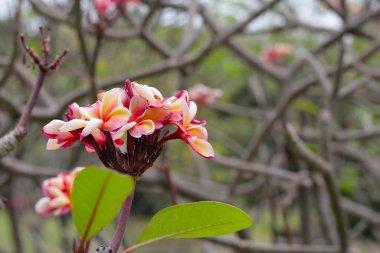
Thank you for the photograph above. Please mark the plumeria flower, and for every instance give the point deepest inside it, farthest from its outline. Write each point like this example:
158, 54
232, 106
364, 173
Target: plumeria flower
102, 6
276, 53
151, 94
57, 192
204, 95
127, 127
193, 132
109, 114
143, 118
58, 139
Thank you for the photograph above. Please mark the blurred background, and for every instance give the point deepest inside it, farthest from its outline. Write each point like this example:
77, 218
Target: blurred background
254, 68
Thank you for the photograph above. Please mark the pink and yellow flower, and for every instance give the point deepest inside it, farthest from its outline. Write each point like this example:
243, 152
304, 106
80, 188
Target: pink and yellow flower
57, 192
204, 95
190, 130
126, 127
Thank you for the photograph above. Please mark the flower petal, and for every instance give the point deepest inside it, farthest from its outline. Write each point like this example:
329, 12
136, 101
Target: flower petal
189, 111
93, 124
51, 130
203, 148
138, 106
99, 136
177, 105
62, 210
156, 114
144, 127
89, 112
54, 192
57, 182
109, 102
126, 127
157, 94
42, 206
73, 112
192, 111
116, 118
183, 94
53, 144
144, 91
74, 124
59, 202
198, 132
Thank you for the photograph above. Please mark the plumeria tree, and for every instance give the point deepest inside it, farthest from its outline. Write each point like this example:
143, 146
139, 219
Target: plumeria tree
290, 93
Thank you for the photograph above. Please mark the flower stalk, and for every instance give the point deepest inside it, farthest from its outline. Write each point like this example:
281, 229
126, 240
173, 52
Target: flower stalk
124, 214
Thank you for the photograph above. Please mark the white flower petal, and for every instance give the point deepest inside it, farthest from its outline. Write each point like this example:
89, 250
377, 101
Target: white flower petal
126, 127
42, 206
53, 144
157, 93
53, 126
73, 125
58, 202
84, 113
192, 110
145, 92
93, 124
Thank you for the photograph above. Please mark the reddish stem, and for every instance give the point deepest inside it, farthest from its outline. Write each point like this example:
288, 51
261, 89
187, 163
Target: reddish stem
123, 220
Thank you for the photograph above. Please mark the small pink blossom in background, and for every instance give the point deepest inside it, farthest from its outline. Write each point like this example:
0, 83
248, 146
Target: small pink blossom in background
204, 95
57, 192
276, 53
102, 6
351, 7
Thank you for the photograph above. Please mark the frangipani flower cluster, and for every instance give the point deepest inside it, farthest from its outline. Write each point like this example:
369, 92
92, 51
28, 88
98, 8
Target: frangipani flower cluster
204, 95
57, 192
128, 126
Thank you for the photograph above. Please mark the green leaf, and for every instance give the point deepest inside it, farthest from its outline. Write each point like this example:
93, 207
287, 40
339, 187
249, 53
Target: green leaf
194, 220
97, 197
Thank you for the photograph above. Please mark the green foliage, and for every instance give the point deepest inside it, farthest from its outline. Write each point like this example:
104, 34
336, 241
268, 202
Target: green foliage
97, 197
349, 180
306, 105
194, 220
362, 112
